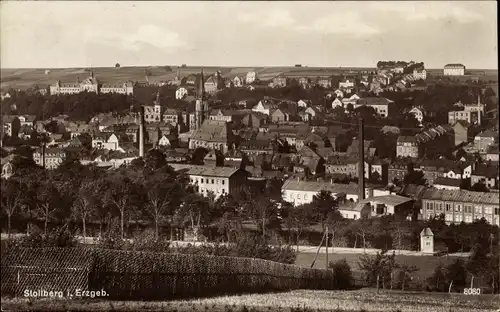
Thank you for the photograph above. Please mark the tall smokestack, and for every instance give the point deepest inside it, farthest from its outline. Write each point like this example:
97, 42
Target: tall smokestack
361, 166
141, 132
43, 154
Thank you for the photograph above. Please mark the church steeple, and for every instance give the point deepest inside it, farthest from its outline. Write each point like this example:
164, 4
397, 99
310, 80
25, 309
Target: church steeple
201, 87
157, 98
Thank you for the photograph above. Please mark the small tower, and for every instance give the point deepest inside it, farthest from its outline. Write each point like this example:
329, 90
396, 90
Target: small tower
427, 241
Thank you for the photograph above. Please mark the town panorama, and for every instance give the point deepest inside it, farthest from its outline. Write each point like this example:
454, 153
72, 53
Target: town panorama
178, 181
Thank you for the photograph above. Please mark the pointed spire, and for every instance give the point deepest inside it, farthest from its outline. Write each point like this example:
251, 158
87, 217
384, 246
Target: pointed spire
201, 87
158, 97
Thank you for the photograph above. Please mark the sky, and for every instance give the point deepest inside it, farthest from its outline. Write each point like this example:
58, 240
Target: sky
209, 33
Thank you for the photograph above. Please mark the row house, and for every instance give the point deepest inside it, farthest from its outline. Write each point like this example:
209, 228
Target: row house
461, 206
53, 157
217, 180
253, 148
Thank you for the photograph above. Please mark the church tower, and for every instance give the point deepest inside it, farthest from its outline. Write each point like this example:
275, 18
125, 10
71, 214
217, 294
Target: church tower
202, 112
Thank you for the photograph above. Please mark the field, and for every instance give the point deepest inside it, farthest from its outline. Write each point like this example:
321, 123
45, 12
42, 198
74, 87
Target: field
425, 264
25, 78
367, 300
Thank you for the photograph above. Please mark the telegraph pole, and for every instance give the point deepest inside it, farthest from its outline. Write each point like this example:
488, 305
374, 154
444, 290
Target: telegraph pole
326, 233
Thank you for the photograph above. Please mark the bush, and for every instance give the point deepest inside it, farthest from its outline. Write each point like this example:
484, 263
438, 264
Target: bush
60, 237
342, 274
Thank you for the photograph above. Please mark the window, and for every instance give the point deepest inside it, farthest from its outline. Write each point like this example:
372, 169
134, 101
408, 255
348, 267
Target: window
202, 180
223, 182
449, 217
448, 207
458, 218
458, 208
468, 209
478, 210
468, 219
305, 196
427, 244
298, 196
213, 181
487, 210
497, 211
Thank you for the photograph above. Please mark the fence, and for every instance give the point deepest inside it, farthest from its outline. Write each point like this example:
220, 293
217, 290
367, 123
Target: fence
148, 275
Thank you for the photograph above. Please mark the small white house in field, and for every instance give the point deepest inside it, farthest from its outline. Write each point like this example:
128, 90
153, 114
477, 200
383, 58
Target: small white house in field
427, 241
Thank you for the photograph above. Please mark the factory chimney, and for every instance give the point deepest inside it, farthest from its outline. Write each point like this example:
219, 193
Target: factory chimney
141, 132
361, 166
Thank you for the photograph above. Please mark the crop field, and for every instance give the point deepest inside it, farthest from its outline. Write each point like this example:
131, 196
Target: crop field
425, 264
367, 300
25, 78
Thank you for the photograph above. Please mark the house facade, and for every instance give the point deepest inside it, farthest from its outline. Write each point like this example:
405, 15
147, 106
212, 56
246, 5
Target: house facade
53, 157
407, 146
454, 70
180, 93
218, 180
461, 206
300, 192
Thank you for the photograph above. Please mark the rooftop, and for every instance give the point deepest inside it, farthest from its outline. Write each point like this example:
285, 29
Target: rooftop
210, 171
462, 196
314, 186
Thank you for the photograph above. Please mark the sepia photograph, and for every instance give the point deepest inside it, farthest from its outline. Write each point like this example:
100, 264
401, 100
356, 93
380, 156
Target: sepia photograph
249, 156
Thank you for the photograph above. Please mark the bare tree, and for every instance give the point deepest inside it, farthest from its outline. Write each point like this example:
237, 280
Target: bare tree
86, 202
47, 199
11, 199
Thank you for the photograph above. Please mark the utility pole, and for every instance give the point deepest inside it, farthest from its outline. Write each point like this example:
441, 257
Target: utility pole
361, 166
326, 233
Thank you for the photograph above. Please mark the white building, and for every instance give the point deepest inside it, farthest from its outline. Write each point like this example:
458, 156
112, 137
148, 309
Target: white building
181, 93
124, 88
454, 70
419, 74
301, 192
250, 77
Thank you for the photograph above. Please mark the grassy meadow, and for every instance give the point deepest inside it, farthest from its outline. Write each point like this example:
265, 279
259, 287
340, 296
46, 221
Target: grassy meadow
366, 300
425, 264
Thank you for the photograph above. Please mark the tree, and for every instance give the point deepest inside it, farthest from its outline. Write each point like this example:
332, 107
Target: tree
405, 274
117, 65
479, 187
47, 201
195, 210
120, 194
296, 219
260, 208
324, 206
227, 215
415, 177
154, 160
87, 201
378, 267
164, 195
11, 199
342, 274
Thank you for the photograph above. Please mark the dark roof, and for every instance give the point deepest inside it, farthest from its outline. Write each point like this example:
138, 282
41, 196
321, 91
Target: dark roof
462, 196
447, 181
